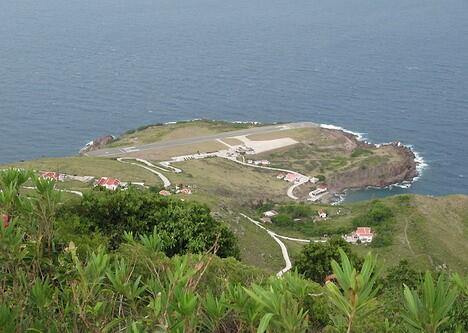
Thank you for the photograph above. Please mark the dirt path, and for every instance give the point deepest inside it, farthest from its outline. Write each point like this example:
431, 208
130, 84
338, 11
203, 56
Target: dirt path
149, 166
60, 190
284, 249
411, 248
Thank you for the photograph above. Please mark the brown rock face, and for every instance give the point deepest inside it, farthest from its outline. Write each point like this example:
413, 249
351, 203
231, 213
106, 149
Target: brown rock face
97, 143
398, 171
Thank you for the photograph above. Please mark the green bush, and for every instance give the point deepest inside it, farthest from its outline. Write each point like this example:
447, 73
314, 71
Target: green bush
183, 226
314, 261
282, 220
298, 210
361, 152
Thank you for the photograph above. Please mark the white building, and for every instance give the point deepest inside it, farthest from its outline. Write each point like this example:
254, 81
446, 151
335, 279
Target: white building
318, 191
314, 180
270, 213
362, 234
111, 184
322, 214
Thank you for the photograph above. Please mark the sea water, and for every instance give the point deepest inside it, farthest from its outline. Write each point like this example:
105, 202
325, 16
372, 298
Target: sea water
393, 70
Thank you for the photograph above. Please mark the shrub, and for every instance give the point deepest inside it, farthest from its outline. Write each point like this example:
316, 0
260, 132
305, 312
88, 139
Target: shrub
183, 226
282, 220
314, 261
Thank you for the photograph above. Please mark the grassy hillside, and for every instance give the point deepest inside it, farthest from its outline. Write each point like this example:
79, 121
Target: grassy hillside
90, 166
429, 232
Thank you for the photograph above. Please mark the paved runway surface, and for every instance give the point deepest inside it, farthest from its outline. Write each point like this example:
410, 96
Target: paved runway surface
122, 151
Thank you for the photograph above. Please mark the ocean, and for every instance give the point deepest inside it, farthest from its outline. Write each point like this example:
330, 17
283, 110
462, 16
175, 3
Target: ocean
391, 70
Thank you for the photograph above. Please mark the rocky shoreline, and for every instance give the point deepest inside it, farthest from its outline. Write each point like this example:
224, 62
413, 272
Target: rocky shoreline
402, 170
97, 144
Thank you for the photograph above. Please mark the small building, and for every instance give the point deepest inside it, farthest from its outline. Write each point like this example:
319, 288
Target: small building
322, 214
55, 176
265, 162
109, 183
292, 177
270, 213
314, 180
186, 191
265, 220
280, 176
318, 191
361, 234
165, 193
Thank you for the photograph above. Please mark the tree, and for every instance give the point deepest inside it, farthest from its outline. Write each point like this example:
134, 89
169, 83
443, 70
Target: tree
314, 261
182, 226
429, 312
401, 275
354, 294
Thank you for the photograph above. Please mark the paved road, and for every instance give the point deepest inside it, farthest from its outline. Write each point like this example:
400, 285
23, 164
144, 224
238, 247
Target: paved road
116, 152
290, 193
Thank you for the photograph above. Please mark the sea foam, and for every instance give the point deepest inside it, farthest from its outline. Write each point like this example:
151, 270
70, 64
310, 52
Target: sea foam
421, 164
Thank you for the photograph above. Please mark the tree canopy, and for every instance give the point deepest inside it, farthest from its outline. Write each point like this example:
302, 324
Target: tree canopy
183, 227
314, 261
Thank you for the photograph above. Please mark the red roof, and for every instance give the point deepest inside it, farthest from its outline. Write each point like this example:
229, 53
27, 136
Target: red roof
291, 176
107, 181
364, 231
164, 193
50, 175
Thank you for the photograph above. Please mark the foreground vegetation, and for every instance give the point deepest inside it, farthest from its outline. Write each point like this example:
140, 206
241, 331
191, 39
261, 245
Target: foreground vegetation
63, 269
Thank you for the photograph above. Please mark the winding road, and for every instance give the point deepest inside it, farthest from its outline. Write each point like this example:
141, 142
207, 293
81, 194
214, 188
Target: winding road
148, 166
57, 189
290, 193
277, 238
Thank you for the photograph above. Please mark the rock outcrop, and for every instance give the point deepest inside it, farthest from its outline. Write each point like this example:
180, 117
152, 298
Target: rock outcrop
399, 170
97, 143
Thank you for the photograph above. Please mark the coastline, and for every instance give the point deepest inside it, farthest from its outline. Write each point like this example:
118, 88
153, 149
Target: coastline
421, 164
401, 174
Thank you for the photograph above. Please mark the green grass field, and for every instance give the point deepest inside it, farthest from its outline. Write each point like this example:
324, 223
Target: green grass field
91, 166
223, 182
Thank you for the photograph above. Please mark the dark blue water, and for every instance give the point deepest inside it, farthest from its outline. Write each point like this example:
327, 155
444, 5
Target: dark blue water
396, 70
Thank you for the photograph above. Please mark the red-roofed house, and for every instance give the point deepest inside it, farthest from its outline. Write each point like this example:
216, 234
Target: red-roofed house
165, 193
362, 234
291, 177
109, 183
186, 190
50, 175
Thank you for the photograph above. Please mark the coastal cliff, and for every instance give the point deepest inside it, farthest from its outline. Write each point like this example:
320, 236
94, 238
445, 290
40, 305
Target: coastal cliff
97, 144
401, 169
